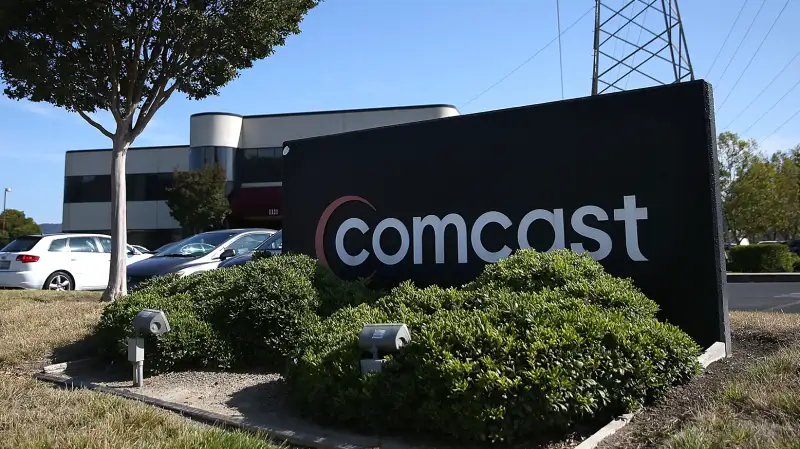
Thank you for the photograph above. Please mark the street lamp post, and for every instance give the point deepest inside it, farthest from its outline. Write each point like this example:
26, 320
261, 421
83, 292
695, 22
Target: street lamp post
5, 197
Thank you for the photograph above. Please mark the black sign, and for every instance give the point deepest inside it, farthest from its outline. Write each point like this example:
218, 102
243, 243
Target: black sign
629, 177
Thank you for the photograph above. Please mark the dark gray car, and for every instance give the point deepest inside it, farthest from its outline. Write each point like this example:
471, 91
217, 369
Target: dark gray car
198, 253
272, 245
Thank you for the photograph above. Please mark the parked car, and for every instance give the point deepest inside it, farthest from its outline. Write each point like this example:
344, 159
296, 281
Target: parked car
58, 262
273, 245
201, 252
135, 254
163, 247
141, 248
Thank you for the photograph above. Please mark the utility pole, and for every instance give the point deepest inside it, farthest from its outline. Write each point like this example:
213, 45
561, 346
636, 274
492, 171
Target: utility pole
5, 197
660, 46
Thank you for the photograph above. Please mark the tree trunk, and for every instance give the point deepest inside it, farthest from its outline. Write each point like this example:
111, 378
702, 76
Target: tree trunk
117, 276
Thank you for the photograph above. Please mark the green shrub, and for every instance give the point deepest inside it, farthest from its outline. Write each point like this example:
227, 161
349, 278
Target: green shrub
191, 342
492, 362
263, 309
764, 258
249, 315
573, 274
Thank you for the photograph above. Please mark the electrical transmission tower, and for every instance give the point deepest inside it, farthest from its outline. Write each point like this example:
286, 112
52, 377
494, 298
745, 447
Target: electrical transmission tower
658, 56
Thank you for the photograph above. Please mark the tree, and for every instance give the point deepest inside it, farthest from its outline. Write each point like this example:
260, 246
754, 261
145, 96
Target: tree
128, 58
787, 191
733, 154
752, 204
197, 198
16, 225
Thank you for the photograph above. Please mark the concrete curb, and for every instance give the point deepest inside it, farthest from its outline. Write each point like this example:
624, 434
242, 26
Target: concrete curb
61, 367
214, 419
712, 354
736, 278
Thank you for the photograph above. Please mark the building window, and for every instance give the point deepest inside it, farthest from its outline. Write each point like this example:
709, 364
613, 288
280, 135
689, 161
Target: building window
259, 164
97, 188
87, 189
199, 157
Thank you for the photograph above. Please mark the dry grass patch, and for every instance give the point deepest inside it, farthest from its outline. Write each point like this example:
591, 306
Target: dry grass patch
36, 415
33, 322
771, 326
760, 406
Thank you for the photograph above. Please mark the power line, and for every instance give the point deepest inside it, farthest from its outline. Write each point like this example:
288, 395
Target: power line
560, 59
726, 38
529, 59
779, 128
754, 55
763, 90
773, 106
750, 27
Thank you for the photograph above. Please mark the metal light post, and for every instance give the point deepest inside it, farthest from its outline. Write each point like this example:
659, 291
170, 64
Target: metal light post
5, 197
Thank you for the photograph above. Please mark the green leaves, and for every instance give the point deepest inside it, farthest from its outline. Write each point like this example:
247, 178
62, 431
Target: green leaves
764, 258
197, 198
760, 194
16, 225
129, 56
538, 344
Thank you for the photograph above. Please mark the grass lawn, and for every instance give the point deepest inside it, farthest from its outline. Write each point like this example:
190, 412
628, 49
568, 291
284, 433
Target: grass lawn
35, 414
749, 401
758, 407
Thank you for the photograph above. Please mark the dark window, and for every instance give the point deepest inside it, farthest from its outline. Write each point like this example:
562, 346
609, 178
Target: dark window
58, 246
247, 243
83, 245
199, 157
97, 189
259, 164
87, 189
21, 244
274, 243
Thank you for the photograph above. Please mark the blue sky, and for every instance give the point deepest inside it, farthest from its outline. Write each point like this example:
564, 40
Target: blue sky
369, 53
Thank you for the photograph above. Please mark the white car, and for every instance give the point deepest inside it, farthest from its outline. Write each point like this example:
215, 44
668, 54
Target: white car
59, 262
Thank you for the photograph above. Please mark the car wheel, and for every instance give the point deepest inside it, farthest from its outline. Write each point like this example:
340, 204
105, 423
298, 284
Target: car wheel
59, 281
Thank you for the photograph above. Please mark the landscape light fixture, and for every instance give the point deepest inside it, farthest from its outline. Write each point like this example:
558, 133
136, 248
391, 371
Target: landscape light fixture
146, 322
380, 340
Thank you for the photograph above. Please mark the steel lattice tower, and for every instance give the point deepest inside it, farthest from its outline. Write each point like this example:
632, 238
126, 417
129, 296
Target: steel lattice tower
658, 56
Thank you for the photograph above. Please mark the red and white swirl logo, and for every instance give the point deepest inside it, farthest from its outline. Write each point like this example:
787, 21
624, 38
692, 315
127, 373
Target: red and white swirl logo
472, 236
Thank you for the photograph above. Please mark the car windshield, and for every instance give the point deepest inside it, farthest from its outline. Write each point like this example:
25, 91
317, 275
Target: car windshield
274, 242
198, 245
21, 244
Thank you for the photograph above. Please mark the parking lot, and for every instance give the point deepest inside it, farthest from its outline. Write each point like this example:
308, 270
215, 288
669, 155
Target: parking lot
765, 296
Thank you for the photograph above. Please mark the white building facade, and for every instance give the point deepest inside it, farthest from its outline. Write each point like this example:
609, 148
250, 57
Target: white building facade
248, 147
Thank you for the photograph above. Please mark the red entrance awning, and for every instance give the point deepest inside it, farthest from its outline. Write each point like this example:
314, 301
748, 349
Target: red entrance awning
255, 202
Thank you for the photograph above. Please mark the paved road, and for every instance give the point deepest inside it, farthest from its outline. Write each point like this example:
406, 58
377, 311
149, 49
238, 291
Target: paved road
765, 296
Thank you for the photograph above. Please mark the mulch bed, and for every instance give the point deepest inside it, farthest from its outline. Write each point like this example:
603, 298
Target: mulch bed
651, 425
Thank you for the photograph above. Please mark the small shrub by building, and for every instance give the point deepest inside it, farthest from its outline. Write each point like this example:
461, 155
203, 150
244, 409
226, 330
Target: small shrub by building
250, 315
762, 258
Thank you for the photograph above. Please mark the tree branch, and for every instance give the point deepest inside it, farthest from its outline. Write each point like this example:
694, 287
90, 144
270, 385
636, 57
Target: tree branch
145, 116
114, 72
96, 125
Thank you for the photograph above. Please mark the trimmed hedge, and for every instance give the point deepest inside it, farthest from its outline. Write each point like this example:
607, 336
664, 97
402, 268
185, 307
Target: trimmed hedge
535, 345
250, 315
763, 258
